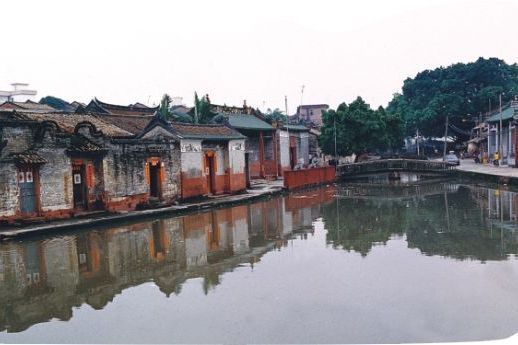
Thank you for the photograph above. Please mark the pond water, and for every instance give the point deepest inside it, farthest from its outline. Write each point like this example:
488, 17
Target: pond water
425, 261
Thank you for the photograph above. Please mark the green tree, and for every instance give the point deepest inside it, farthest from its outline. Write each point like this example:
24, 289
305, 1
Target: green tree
460, 92
201, 113
276, 115
164, 110
359, 128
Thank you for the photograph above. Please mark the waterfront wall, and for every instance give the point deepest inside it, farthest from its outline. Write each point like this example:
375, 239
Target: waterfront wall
294, 179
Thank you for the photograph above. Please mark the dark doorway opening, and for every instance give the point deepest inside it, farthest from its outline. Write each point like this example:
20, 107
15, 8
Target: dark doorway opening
247, 169
154, 180
79, 186
210, 172
293, 157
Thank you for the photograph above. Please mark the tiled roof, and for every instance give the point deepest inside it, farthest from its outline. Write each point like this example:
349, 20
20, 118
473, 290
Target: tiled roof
296, 128
131, 123
81, 144
215, 132
67, 122
250, 122
96, 106
27, 157
180, 109
27, 106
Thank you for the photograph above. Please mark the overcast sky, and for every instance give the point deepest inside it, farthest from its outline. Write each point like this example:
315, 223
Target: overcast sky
126, 52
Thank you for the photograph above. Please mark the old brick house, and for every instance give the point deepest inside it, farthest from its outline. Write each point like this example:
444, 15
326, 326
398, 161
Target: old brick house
55, 165
261, 144
213, 159
293, 152
212, 156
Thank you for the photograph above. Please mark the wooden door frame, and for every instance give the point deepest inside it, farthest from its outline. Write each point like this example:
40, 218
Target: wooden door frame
155, 161
35, 168
84, 184
210, 156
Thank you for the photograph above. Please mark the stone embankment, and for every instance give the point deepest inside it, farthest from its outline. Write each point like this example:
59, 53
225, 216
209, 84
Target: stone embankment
259, 189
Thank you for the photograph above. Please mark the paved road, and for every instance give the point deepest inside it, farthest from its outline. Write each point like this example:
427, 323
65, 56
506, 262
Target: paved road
470, 165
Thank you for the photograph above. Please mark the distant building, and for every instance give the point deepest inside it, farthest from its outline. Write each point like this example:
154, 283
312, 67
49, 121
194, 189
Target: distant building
508, 137
19, 93
311, 113
101, 108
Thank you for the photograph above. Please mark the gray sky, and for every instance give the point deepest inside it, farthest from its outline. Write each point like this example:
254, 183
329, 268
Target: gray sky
124, 52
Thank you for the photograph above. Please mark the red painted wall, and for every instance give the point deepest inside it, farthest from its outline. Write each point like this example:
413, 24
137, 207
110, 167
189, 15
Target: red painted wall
307, 177
237, 182
128, 203
193, 186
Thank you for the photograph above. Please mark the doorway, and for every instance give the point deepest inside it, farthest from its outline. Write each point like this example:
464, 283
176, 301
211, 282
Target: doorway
154, 179
247, 169
210, 172
28, 193
79, 186
293, 157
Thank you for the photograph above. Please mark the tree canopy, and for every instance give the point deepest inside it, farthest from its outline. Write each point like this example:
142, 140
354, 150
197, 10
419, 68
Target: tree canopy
163, 110
201, 112
460, 91
360, 128
276, 115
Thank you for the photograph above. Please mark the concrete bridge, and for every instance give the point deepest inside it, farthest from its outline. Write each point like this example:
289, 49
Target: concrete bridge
393, 165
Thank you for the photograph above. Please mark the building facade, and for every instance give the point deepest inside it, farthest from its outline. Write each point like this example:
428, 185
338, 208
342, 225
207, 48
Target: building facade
503, 139
57, 165
293, 147
311, 113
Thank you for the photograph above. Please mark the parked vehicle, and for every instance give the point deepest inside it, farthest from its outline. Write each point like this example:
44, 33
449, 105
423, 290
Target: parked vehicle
452, 159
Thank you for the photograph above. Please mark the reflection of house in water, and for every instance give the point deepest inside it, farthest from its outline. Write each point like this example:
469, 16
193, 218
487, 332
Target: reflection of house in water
45, 279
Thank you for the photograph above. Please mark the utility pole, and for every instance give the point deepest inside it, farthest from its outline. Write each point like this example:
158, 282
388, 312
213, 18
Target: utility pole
500, 131
417, 141
445, 136
336, 159
287, 128
302, 93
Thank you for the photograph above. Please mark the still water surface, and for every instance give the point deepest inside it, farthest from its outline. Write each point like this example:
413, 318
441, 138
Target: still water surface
421, 262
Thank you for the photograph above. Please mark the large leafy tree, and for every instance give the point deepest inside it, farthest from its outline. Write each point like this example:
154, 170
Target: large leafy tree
276, 115
359, 128
460, 92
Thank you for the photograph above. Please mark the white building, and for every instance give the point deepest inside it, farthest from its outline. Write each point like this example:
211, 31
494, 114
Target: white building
19, 93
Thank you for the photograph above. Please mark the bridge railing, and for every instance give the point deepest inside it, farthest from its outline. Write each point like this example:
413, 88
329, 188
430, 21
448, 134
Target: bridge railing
398, 164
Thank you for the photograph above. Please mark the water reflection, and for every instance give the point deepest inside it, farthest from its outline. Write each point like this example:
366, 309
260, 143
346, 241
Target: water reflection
42, 279
438, 218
